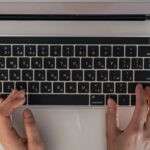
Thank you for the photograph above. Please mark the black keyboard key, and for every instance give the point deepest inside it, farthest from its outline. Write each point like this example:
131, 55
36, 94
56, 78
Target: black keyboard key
83, 87
36, 63
74, 63
80, 50
121, 87
112, 63
14, 75
46, 87
64, 75
96, 87
71, 87
99, 63
21, 86
33, 87
112, 96
115, 75
68, 50
3, 74
93, 51
58, 87
86, 63
2, 62
61, 63
142, 75
124, 63
43, 50
27, 75
108, 87
47, 99
127, 75
49, 63
89, 75
133, 100
52, 75
11, 62
5, 50
105, 51
131, 87
30, 50
123, 100
137, 63
24, 62
102, 75
144, 51
8, 87
118, 51
18, 50
131, 51
77, 75
147, 63
55, 50
39, 75
97, 100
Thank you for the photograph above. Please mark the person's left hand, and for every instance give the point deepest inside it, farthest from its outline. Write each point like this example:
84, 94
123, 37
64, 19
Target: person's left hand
9, 137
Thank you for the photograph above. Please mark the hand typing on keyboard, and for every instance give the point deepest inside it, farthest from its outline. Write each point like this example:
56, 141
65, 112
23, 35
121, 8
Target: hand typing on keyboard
137, 135
9, 137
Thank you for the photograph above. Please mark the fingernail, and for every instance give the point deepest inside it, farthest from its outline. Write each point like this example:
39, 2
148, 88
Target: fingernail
140, 85
22, 91
28, 113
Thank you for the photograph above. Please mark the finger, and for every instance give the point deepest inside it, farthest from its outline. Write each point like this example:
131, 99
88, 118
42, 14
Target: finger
13, 101
147, 124
7, 133
111, 118
31, 130
1, 100
7, 109
147, 93
14, 95
141, 108
13, 92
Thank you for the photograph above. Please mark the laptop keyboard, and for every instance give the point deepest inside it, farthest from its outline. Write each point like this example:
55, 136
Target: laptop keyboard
74, 71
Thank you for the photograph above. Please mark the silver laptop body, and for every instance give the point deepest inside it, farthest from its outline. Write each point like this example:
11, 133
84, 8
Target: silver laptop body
74, 127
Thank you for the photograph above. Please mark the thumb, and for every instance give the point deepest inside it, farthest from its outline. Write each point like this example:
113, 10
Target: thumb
111, 119
34, 140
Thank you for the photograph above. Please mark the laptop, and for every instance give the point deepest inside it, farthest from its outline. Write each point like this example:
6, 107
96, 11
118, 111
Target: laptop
70, 57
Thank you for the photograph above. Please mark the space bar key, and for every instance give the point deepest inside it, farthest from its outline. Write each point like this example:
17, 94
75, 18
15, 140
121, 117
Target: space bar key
61, 99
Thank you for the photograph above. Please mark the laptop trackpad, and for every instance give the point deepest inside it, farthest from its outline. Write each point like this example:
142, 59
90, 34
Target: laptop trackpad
71, 129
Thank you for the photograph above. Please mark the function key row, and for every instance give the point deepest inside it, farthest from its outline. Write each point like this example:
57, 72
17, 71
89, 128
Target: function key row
77, 50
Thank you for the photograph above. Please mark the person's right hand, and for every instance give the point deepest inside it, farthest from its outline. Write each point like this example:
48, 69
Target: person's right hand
9, 137
137, 135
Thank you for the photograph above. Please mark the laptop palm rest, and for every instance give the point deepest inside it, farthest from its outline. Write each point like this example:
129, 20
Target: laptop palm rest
72, 129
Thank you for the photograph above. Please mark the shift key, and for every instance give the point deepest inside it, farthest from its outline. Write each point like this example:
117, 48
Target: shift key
142, 75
